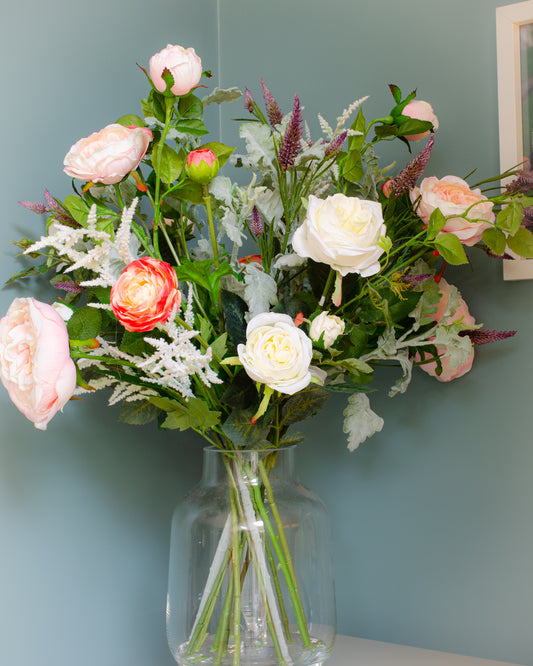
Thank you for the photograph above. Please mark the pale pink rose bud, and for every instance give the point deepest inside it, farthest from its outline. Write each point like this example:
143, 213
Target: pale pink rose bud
420, 110
35, 363
184, 65
202, 165
108, 155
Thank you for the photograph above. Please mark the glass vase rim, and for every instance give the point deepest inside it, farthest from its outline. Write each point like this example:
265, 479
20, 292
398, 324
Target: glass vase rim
211, 448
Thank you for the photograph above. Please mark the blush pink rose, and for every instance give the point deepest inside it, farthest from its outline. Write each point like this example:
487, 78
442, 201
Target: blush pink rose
145, 294
453, 197
108, 155
448, 372
35, 363
420, 110
184, 65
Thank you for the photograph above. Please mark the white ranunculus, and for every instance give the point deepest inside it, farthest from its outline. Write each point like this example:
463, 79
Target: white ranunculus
276, 353
342, 232
330, 325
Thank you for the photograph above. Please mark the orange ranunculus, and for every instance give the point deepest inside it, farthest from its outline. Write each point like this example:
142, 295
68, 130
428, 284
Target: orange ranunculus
145, 294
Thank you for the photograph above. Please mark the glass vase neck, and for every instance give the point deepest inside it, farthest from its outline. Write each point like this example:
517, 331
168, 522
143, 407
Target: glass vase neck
280, 463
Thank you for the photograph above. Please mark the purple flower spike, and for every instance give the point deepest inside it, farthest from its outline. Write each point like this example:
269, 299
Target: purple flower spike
522, 184
256, 224
411, 173
415, 280
335, 144
249, 101
71, 287
34, 206
290, 146
483, 337
272, 107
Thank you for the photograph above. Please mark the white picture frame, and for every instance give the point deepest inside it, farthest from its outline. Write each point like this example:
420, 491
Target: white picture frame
509, 21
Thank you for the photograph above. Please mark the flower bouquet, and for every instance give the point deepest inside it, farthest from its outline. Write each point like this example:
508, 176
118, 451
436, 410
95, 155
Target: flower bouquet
236, 309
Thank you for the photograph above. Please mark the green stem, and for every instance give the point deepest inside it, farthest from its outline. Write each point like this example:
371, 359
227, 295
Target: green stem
236, 580
327, 287
220, 644
212, 233
294, 592
169, 107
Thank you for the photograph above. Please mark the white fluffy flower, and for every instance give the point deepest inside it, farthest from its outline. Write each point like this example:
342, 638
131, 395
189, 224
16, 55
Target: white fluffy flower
276, 353
342, 232
330, 325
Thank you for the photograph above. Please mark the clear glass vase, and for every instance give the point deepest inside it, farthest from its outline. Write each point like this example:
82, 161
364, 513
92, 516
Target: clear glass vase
250, 576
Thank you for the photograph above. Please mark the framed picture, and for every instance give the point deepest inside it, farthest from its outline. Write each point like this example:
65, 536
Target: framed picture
514, 30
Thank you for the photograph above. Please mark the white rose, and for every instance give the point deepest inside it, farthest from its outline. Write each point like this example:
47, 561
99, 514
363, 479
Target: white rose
330, 325
342, 232
276, 353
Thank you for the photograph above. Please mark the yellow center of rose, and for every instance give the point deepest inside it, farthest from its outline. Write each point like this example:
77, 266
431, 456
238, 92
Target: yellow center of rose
278, 349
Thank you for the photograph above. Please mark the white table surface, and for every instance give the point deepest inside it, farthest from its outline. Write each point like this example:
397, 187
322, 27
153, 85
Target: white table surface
349, 651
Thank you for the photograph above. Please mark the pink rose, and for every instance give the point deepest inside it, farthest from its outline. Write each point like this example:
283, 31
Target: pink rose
108, 155
420, 110
145, 294
449, 372
35, 363
202, 165
184, 65
454, 198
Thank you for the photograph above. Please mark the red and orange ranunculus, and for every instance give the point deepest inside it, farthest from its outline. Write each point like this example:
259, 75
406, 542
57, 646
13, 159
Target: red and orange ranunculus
145, 294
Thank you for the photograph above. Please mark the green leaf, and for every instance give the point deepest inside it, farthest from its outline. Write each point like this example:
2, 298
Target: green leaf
359, 125
352, 167
134, 344
171, 163
510, 218
189, 191
241, 392
385, 131
34, 270
350, 387
85, 323
77, 207
450, 249
412, 126
292, 438
495, 240
303, 404
221, 95
138, 412
190, 107
359, 338
522, 243
239, 429
396, 93
234, 310
194, 414
131, 119
193, 126
355, 366
222, 151
219, 346
436, 222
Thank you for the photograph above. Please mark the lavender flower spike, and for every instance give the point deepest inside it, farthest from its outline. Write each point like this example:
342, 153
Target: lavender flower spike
275, 116
249, 101
290, 146
335, 144
408, 176
256, 223
483, 337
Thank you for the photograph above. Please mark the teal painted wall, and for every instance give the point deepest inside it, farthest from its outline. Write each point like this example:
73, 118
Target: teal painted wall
431, 519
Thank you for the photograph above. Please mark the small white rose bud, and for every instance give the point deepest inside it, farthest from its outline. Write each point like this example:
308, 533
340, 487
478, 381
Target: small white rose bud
329, 325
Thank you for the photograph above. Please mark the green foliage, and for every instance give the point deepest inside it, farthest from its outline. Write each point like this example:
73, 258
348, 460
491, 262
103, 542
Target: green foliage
85, 323
451, 249
522, 243
138, 412
234, 310
171, 162
510, 217
495, 240
303, 404
194, 414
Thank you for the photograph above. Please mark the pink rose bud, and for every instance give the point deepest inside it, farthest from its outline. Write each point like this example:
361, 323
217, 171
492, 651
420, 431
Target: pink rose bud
420, 110
145, 294
108, 155
35, 363
184, 65
202, 166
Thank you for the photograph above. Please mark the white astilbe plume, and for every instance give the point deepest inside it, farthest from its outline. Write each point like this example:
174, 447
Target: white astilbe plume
325, 126
91, 248
189, 312
174, 362
345, 115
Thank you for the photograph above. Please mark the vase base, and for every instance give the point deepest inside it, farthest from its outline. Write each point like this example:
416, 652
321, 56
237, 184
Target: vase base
255, 654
